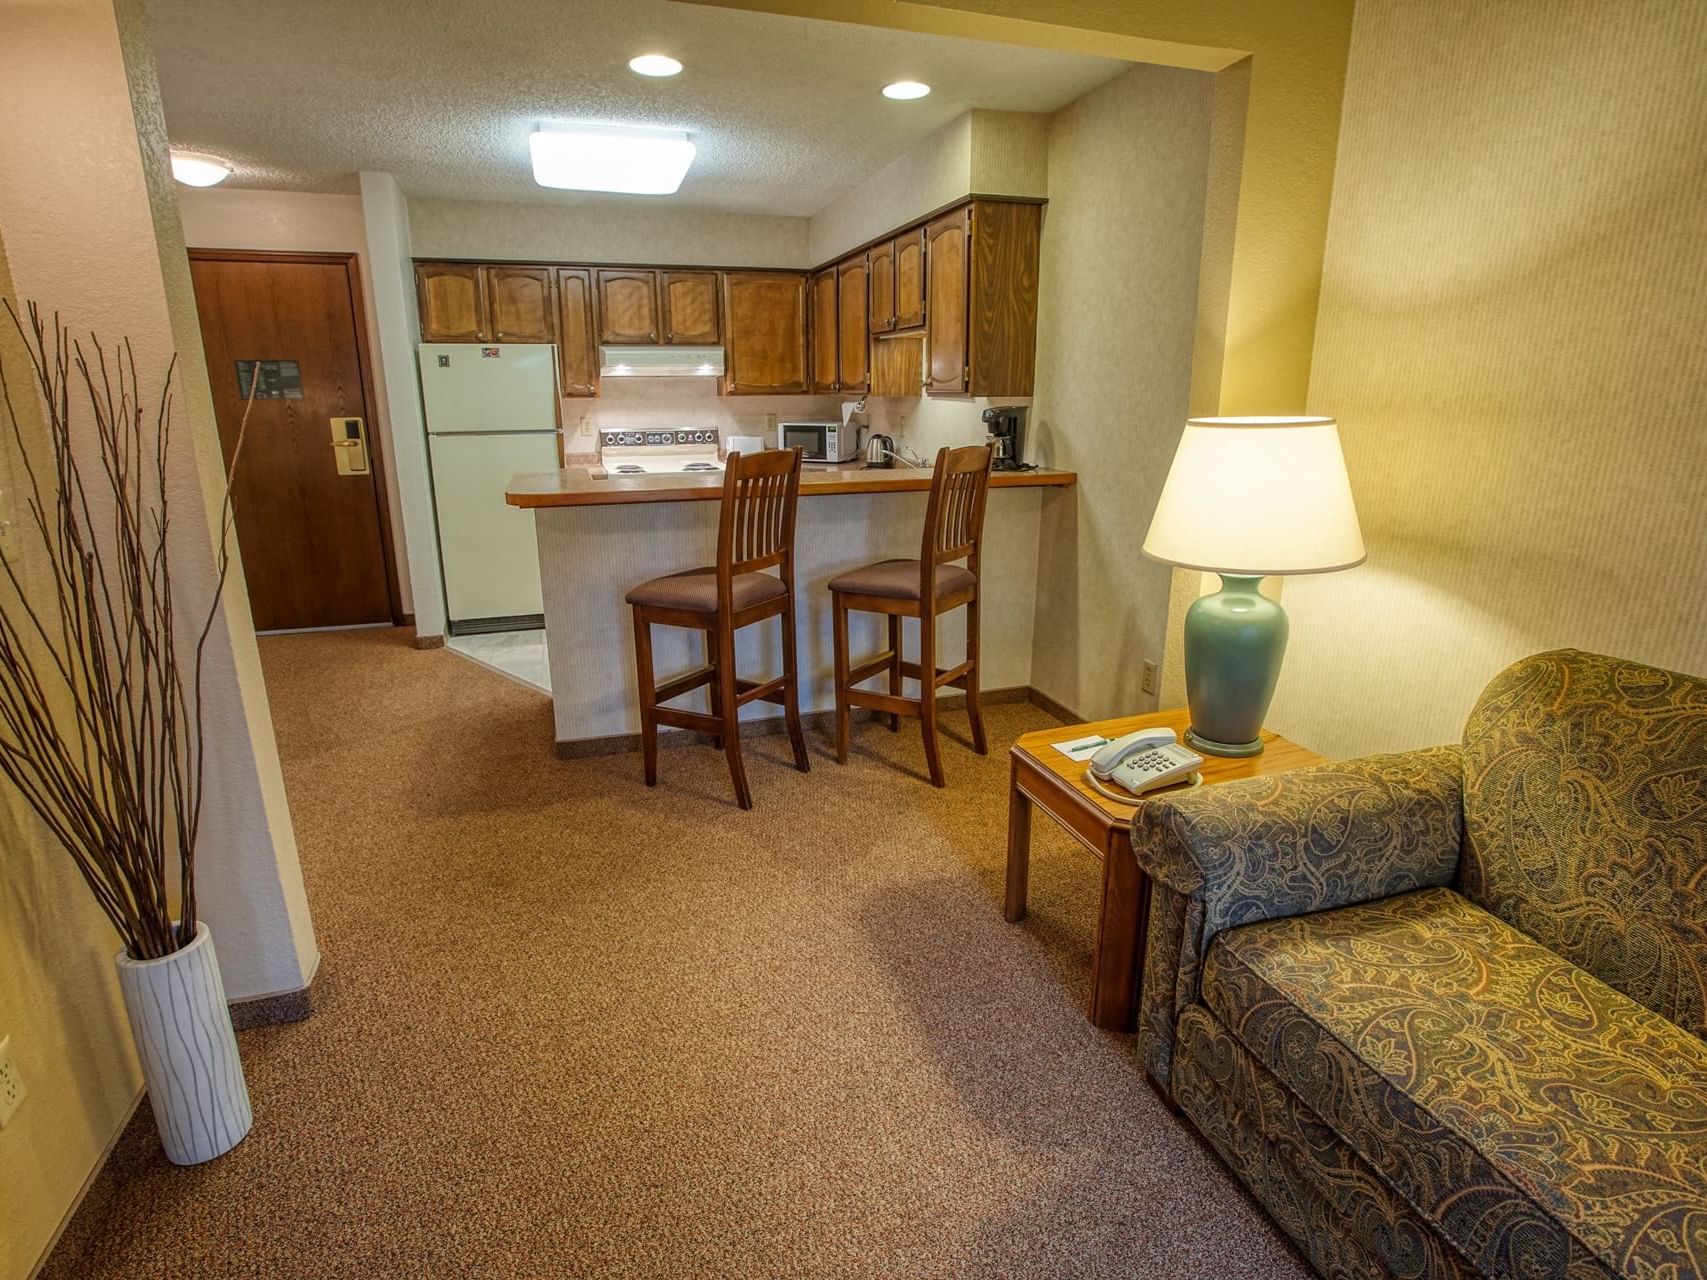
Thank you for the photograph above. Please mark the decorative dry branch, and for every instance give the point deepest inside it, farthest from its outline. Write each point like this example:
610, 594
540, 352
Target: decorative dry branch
101, 726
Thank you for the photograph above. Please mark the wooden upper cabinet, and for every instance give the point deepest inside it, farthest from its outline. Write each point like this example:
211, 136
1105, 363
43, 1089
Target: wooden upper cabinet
1002, 319
959, 293
628, 306
577, 340
880, 267
520, 304
948, 254
824, 345
764, 333
453, 302
853, 336
690, 307
909, 279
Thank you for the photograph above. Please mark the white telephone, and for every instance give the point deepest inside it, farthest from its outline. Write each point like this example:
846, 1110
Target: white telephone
1140, 763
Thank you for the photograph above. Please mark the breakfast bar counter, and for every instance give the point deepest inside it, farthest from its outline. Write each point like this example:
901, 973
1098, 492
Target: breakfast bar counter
598, 537
589, 487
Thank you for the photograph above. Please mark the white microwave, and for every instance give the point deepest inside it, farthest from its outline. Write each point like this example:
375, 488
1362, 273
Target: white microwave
820, 441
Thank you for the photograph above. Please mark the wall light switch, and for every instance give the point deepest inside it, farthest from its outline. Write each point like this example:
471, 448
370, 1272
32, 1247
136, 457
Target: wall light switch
11, 1083
1149, 685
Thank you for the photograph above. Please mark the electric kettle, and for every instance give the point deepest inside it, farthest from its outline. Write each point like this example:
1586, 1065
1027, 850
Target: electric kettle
877, 451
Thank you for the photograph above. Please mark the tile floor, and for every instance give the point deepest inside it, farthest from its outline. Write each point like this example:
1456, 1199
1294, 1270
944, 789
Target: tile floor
517, 654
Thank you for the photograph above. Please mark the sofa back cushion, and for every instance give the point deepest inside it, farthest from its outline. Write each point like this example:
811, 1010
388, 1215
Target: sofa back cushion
1585, 820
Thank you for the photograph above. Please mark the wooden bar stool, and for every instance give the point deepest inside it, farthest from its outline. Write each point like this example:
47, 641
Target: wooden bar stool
924, 589
755, 530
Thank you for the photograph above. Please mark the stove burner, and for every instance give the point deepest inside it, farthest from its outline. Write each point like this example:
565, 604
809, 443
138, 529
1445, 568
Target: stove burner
629, 469
701, 466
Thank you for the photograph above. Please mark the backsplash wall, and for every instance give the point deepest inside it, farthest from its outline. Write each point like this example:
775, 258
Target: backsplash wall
681, 404
925, 425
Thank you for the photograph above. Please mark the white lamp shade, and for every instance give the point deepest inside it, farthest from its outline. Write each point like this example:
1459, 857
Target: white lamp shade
1257, 497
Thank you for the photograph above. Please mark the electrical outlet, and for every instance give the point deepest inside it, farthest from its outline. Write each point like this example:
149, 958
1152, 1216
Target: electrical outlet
8, 528
1150, 672
11, 1083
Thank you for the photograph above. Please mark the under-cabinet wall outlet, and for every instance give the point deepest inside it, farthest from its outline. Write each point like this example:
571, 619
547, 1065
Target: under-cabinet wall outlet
584, 427
1150, 670
11, 1083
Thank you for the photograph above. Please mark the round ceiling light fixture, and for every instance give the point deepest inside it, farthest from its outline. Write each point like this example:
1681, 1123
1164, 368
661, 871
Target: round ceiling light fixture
195, 169
905, 90
656, 65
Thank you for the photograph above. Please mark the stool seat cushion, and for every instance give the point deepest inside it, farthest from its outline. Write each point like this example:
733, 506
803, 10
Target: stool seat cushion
899, 580
695, 590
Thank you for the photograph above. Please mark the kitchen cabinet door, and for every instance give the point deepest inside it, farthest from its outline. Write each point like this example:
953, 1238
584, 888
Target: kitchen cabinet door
880, 267
577, 341
824, 377
690, 307
1002, 311
948, 244
452, 301
628, 307
910, 279
853, 336
520, 304
764, 323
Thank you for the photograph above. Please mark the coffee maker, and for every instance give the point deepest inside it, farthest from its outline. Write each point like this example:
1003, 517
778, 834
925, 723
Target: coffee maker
1005, 426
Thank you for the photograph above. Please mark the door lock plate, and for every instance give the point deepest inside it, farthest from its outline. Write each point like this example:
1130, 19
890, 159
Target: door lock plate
349, 446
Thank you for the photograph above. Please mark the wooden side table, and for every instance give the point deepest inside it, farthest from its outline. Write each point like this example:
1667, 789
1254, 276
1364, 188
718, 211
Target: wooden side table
1040, 775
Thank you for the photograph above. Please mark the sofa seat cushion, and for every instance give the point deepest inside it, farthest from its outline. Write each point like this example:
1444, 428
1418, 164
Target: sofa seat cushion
1550, 1125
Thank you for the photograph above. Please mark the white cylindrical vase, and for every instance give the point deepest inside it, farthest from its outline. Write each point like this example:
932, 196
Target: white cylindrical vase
188, 1049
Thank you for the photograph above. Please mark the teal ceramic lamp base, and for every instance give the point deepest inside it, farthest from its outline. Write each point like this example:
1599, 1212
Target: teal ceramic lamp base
1234, 642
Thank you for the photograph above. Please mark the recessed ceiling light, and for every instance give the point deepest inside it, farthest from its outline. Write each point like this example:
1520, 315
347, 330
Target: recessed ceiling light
905, 90
654, 64
606, 157
194, 169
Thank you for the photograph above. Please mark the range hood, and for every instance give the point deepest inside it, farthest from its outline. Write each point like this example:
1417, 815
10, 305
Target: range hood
660, 362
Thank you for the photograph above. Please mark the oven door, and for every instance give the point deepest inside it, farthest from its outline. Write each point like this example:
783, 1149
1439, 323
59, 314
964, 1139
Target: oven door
812, 439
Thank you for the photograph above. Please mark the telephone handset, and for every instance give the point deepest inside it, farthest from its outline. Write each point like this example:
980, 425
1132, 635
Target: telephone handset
1140, 763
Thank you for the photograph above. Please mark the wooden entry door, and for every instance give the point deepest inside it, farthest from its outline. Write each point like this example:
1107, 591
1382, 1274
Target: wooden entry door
310, 517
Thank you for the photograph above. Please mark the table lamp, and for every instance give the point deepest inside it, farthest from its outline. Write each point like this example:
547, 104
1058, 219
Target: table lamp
1248, 498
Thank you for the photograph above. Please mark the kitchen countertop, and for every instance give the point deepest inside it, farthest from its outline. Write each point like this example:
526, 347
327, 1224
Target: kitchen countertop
580, 487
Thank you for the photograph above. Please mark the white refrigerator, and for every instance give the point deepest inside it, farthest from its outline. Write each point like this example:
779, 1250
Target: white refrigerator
491, 412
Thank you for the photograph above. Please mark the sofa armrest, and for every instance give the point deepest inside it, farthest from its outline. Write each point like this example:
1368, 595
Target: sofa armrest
1326, 836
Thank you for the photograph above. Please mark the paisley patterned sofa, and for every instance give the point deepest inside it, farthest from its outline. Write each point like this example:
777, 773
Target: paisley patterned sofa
1444, 1011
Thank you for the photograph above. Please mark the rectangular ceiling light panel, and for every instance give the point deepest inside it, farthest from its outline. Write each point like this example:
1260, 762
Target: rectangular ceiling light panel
602, 157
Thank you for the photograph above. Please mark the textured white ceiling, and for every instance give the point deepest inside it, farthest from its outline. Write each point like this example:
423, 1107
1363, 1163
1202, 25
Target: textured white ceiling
443, 93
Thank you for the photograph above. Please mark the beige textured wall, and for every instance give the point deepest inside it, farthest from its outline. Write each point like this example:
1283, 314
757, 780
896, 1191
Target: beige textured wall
89, 227
1010, 153
924, 177
1511, 334
985, 152
304, 222
604, 233
59, 997
1128, 167
248, 878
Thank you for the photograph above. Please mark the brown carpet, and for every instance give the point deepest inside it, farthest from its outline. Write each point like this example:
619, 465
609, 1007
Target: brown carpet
567, 1026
